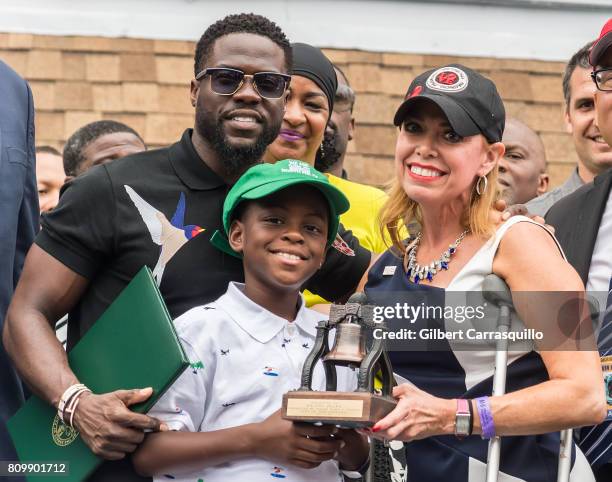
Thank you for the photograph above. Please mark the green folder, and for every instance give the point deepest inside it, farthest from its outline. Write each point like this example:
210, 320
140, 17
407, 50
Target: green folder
132, 345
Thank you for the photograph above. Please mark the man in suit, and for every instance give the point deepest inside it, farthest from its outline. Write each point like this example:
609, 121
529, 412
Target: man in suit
593, 154
18, 220
583, 226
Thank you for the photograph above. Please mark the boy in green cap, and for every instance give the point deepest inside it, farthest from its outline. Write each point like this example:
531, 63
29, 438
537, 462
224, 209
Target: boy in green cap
248, 346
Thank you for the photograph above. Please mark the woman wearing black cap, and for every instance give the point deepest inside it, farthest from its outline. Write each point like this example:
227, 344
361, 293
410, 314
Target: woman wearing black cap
309, 106
446, 162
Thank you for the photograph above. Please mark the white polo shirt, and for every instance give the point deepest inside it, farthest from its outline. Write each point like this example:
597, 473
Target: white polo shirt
243, 359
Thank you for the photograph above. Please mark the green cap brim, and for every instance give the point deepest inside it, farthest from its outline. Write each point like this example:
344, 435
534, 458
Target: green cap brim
336, 200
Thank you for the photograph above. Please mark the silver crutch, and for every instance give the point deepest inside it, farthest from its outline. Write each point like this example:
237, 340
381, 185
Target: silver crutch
496, 291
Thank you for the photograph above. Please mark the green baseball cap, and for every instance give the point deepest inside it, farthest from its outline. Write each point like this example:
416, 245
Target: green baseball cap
264, 179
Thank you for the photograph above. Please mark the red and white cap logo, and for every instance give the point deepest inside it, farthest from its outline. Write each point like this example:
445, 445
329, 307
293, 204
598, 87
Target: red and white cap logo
448, 79
416, 91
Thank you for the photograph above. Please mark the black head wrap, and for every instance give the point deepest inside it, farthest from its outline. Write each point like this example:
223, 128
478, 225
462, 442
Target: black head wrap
309, 62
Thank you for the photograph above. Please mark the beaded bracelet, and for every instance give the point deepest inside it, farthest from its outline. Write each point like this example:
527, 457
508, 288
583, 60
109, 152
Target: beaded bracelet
486, 417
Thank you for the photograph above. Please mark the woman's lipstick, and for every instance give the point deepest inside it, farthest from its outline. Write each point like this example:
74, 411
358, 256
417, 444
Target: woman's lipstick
290, 135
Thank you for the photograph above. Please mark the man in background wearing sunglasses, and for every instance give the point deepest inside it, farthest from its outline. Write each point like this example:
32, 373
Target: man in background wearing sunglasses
583, 226
157, 208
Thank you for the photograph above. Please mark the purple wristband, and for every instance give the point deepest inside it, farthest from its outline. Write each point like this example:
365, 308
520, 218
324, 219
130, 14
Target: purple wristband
486, 417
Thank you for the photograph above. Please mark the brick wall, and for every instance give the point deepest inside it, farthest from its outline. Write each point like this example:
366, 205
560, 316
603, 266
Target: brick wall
145, 83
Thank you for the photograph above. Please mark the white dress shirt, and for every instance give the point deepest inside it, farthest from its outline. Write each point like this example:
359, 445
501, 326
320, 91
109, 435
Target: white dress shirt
600, 269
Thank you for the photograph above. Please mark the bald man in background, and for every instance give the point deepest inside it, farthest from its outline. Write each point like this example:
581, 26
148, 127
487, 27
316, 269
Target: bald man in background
522, 171
340, 130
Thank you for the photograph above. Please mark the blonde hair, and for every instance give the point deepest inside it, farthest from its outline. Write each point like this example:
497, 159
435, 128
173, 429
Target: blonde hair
400, 210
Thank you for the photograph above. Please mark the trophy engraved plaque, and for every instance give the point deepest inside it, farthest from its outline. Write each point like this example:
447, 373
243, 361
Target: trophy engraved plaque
356, 347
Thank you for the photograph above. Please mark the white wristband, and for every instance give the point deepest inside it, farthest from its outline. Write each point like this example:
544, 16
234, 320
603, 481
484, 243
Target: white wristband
67, 396
72, 404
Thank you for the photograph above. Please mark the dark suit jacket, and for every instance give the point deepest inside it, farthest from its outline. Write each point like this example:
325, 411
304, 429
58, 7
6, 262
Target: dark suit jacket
576, 220
18, 219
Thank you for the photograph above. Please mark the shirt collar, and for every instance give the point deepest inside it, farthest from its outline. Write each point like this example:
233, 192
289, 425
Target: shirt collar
258, 322
575, 181
190, 168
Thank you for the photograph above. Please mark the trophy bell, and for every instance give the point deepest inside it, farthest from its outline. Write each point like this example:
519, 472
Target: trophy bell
349, 345
354, 325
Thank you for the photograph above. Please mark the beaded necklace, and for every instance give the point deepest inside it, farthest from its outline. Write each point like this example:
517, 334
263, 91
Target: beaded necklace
417, 273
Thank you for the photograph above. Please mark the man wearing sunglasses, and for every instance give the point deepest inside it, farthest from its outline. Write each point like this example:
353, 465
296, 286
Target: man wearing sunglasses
601, 59
583, 226
157, 208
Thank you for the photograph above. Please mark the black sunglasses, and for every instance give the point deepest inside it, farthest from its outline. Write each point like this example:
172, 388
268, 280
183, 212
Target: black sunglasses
603, 79
226, 81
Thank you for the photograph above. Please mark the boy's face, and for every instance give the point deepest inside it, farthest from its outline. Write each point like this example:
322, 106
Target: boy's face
282, 238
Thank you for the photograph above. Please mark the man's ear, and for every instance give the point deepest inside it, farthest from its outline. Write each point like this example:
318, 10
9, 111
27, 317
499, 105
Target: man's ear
194, 90
352, 129
68, 179
542, 184
236, 236
494, 154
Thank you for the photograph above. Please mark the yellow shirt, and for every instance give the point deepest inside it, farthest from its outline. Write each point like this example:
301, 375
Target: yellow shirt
361, 218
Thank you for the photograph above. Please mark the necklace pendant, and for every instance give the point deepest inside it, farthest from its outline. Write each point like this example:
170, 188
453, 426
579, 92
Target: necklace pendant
417, 273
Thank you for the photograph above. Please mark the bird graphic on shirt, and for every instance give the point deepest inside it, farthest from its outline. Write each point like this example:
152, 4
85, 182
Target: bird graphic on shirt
170, 235
278, 473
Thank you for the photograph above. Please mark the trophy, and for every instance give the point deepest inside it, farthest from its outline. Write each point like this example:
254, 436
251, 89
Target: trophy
354, 324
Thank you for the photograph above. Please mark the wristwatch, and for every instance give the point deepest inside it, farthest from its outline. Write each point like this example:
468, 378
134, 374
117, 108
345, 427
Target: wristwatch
463, 418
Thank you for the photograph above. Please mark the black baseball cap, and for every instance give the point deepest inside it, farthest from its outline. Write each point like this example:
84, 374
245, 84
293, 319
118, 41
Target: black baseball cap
603, 43
470, 101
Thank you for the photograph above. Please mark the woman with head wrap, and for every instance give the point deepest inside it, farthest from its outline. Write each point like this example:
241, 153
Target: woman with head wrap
309, 106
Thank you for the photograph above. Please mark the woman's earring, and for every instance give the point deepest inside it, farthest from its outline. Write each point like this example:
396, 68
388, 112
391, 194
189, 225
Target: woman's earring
322, 149
478, 190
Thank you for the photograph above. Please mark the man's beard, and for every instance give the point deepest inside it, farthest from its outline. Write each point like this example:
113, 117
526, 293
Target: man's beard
235, 159
327, 156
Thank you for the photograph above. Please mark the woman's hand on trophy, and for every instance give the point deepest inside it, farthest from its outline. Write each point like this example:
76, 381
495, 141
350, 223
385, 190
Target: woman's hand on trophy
355, 451
108, 427
417, 415
300, 444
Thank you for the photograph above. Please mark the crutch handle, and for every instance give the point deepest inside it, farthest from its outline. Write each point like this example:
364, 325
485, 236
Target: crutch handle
496, 291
